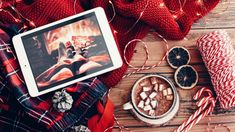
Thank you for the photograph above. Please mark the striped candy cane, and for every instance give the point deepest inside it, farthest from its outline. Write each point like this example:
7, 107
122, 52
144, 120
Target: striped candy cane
201, 116
203, 110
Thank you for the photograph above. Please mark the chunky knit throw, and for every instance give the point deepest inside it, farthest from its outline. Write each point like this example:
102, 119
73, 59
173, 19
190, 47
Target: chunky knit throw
165, 16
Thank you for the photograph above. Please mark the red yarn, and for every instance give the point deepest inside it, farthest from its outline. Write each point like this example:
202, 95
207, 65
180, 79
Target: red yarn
218, 55
157, 17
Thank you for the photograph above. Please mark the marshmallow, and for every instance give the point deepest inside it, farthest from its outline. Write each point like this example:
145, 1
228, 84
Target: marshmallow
169, 91
152, 95
151, 112
169, 97
141, 104
156, 87
164, 92
161, 87
143, 95
154, 103
145, 89
153, 80
147, 101
143, 83
147, 108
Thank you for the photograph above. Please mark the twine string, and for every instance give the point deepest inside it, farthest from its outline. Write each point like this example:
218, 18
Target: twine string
218, 53
144, 67
140, 16
114, 11
181, 6
121, 128
145, 48
223, 2
74, 7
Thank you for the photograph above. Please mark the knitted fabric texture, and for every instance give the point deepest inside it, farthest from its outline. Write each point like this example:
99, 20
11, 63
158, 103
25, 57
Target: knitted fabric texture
158, 17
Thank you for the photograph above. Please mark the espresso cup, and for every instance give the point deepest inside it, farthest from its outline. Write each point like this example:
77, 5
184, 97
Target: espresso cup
166, 96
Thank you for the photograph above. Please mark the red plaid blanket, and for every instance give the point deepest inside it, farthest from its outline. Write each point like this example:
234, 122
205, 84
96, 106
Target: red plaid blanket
19, 111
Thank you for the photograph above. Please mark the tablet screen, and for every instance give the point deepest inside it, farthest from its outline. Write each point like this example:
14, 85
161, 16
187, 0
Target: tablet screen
66, 51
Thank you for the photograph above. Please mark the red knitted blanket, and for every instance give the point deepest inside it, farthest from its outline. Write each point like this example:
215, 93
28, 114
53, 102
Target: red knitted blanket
170, 18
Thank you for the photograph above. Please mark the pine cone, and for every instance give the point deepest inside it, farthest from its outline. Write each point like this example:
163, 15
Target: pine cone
80, 128
62, 101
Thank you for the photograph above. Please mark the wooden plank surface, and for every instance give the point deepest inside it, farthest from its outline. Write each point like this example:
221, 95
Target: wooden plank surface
121, 92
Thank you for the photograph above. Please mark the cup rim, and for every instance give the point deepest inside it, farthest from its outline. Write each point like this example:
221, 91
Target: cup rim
158, 76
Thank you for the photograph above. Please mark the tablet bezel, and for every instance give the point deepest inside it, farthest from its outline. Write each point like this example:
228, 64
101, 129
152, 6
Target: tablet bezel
25, 65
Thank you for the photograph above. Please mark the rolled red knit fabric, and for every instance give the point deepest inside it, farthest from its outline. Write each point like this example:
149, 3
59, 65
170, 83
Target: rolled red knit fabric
157, 17
158, 14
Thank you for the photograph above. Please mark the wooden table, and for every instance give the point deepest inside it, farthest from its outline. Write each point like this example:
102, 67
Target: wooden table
121, 92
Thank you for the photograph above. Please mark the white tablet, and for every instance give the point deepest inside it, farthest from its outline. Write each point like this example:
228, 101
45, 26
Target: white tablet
66, 51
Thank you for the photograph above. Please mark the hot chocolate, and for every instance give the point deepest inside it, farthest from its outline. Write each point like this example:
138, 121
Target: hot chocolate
153, 96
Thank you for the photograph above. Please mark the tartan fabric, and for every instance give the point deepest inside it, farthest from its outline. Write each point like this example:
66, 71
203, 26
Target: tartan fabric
20, 112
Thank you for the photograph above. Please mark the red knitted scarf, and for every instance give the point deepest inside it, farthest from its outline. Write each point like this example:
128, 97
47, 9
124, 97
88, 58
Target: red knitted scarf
165, 16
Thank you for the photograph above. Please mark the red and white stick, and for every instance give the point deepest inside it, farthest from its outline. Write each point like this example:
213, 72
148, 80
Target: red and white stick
201, 112
201, 116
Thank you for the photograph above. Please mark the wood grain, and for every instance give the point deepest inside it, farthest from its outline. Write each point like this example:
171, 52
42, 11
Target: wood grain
120, 93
